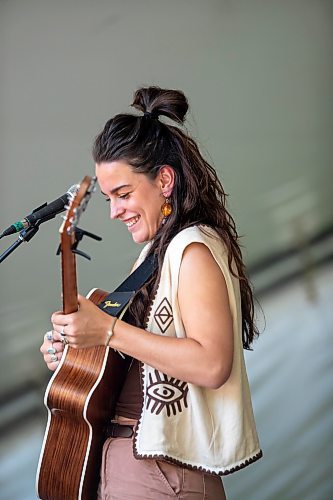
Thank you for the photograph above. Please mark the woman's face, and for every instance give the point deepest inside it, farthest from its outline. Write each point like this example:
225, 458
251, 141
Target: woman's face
134, 199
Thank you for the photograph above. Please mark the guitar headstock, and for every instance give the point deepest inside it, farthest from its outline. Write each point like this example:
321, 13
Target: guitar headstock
77, 205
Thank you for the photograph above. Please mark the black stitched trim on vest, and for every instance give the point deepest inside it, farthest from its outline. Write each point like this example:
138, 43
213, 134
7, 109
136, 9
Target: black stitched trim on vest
171, 460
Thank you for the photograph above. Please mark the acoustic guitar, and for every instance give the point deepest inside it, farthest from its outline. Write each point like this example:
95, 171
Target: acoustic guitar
81, 395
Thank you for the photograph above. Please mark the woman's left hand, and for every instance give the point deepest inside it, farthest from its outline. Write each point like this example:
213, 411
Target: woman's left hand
85, 328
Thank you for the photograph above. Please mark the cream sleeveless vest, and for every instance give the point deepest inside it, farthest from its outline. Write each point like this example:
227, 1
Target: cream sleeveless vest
208, 429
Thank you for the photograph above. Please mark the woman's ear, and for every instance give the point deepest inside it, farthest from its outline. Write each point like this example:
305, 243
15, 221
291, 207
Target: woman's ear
167, 180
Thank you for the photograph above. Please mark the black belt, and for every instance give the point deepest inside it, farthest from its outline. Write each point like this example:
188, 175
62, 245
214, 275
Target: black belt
119, 430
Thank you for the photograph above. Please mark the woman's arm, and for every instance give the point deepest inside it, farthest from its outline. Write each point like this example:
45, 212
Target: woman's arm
204, 357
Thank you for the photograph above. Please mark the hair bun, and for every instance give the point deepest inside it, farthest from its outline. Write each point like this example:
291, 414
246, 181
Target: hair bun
157, 101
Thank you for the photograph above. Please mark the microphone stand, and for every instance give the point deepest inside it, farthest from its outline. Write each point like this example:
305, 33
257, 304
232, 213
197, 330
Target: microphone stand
25, 235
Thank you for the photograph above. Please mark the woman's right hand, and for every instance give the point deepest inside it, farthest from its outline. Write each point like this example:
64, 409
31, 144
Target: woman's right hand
52, 351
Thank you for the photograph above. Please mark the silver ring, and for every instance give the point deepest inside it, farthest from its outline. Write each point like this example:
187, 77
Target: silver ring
54, 357
49, 335
51, 350
65, 340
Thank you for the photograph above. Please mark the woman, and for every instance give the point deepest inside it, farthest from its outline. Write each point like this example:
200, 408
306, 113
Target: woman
186, 393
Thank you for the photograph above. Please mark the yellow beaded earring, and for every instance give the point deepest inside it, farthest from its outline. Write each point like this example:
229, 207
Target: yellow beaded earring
166, 208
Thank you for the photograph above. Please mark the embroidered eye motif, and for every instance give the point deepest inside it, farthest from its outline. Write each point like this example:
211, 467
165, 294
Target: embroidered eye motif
166, 392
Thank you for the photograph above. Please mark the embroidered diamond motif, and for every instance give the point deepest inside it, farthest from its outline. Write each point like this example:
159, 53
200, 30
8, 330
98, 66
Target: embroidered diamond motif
163, 315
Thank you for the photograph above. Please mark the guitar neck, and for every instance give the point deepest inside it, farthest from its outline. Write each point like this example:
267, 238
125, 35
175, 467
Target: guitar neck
69, 281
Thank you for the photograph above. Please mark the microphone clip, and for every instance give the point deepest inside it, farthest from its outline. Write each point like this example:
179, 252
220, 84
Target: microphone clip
25, 235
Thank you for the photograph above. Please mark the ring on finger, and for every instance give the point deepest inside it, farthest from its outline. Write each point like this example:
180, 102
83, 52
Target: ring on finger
51, 350
63, 336
54, 357
49, 335
63, 339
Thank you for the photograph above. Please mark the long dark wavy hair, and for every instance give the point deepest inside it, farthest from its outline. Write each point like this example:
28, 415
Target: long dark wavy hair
146, 143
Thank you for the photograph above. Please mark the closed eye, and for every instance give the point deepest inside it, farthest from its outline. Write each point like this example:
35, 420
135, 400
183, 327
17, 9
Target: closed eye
121, 196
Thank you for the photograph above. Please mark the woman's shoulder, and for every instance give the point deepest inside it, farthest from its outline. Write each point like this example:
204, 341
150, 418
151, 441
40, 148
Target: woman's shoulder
199, 233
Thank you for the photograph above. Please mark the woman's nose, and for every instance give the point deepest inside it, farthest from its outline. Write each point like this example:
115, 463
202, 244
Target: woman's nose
115, 210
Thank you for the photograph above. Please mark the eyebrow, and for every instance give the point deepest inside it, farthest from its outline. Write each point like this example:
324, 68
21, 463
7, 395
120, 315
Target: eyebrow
118, 188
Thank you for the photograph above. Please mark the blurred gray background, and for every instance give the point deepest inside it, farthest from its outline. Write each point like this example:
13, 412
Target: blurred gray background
259, 78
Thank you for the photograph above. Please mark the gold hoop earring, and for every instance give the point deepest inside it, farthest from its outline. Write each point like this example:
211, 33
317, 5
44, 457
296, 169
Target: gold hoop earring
166, 208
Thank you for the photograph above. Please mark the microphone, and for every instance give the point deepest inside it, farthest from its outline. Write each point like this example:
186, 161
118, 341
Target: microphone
45, 211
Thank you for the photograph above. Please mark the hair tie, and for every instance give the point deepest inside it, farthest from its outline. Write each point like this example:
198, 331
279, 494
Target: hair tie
151, 115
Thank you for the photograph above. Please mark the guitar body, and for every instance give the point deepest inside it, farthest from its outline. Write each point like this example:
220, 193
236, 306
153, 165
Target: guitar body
80, 399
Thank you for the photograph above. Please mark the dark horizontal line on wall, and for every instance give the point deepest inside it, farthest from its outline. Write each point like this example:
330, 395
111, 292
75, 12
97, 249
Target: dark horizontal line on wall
276, 258
283, 267
290, 277
26, 400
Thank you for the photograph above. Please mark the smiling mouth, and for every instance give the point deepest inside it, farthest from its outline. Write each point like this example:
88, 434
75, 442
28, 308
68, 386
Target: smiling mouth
132, 221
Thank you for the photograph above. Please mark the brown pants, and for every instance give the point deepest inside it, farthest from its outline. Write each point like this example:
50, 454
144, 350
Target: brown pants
125, 478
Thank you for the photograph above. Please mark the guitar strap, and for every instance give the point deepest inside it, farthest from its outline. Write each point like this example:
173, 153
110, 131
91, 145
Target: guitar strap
117, 302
